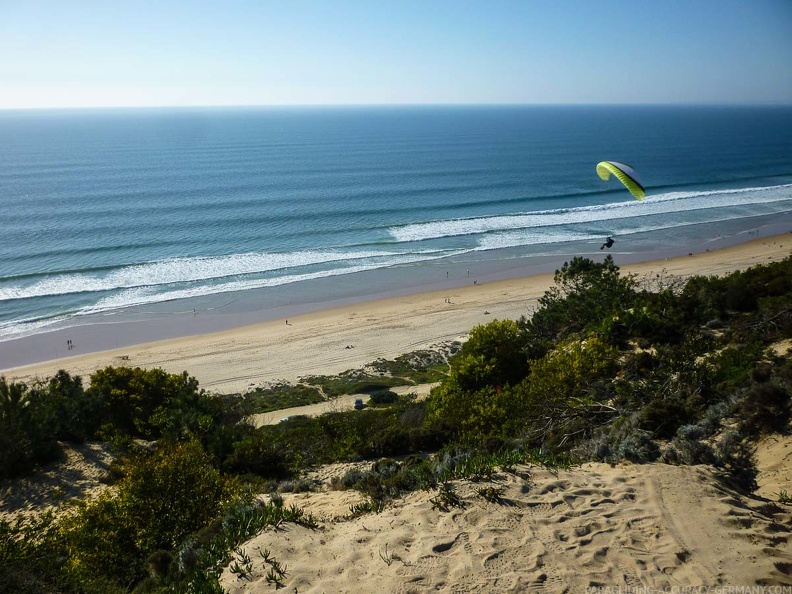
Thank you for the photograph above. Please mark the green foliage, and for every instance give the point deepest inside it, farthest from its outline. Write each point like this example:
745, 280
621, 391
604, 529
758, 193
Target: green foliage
491, 493
492, 356
765, 408
30, 556
478, 394
585, 294
381, 397
602, 369
446, 498
77, 412
28, 429
568, 391
258, 454
662, 417
419, 367
200, 558
282, 395
152, 403
352, 435
351, 382
164, 496
734, 365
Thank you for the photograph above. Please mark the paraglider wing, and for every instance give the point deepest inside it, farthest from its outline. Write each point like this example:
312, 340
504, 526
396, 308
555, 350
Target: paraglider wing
625, 174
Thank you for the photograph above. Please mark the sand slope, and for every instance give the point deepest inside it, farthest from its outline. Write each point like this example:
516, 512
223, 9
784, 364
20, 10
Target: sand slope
81, 474
649, 525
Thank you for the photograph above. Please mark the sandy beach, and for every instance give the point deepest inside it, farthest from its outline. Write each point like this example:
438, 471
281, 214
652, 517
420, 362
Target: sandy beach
348, 337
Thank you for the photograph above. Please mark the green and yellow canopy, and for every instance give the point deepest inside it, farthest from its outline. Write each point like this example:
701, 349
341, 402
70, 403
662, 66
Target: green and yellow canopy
625, 174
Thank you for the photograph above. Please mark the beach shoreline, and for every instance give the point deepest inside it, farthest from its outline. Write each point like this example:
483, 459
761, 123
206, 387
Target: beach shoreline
335, 336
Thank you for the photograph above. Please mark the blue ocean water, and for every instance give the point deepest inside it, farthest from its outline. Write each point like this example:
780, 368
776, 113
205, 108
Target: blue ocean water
110, 212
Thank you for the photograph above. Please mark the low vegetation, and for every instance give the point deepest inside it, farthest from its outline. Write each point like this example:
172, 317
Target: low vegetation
606, 369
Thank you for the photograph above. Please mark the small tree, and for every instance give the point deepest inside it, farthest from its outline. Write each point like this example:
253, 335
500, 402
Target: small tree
27, 430
584, 295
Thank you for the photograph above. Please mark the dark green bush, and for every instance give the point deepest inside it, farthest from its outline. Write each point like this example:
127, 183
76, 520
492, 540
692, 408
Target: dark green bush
164, 496
257, 453
691, 448
28, 429
584, 295
379, 397
764, 408
280, 396
77, 412
662, 417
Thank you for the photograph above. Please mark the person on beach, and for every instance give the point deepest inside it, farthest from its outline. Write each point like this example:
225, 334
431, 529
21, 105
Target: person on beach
608, 243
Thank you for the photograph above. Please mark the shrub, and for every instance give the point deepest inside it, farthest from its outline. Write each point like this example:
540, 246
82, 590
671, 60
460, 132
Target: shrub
380, 397
638, 447
584, 295
690, 448
28, 429
348, 480
736, 457
146, 403
297, 486
281, 395
567, 393
257, 453
764, 408
164, 496
77, 413
663, 417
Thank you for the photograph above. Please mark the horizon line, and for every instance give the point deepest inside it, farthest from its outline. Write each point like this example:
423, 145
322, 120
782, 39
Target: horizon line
385, 105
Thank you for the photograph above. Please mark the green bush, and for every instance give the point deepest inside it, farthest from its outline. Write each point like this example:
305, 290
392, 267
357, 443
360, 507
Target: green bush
584, 295
150, 403
568, 392
764, 408
164, 496
258, 454
638, 447
692, 450
280, 396
380, 397
77, 412
28, 429
662, 417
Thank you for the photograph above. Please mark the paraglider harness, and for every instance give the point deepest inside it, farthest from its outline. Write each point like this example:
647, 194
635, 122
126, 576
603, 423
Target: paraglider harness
608, 243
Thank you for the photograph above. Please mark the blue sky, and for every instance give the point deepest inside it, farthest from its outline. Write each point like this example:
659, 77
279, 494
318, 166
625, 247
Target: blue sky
294, 52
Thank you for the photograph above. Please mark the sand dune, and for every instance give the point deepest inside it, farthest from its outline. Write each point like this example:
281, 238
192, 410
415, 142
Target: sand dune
628, 526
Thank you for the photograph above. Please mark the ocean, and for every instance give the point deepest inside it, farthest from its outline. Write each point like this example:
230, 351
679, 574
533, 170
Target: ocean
252, 213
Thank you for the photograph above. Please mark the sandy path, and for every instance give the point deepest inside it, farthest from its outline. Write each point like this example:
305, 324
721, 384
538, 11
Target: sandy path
342, 403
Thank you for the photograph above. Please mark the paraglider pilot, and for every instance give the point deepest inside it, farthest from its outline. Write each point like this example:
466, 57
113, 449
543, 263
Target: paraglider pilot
608, 243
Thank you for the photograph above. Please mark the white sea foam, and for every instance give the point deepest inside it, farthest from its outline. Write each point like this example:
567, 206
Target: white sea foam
668, 203
149, 295
529, 237
178, 270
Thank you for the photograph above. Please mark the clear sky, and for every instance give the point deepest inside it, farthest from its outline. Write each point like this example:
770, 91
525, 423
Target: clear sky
80, 53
